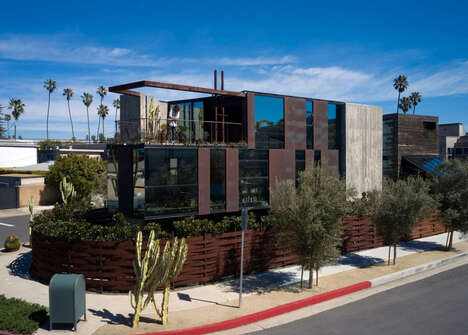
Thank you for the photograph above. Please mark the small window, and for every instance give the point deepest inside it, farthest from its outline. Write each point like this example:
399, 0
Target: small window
429, 129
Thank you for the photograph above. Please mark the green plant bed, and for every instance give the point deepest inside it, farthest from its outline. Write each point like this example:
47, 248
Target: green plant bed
19, 316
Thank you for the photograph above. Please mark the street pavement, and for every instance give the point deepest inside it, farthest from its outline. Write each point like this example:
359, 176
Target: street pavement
17, 225
435, 305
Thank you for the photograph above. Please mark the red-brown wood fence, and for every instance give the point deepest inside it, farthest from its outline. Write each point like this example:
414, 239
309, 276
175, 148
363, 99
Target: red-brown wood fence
107, 266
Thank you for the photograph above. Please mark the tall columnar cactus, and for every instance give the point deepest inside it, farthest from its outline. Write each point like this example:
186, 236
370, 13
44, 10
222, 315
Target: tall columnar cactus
169, 267
67, 190
31, 205
156, 270
143, 267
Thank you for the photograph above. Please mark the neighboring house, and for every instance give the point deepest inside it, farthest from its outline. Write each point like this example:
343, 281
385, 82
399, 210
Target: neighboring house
91, 150
448, 135
410, 144
229, 150
460, 148
17, 153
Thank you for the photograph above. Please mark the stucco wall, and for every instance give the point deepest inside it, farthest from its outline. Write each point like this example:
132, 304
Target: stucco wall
363, 126
17, 156
132, 117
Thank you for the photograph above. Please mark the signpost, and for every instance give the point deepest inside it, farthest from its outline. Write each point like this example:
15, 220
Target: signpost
244, 215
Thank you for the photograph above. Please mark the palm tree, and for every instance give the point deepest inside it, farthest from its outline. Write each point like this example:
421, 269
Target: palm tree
87, 99
415, 98
103, 111
102, 91
50, 85
17, 107
405, 104
116, 105
8, 119
69, 93
400, 84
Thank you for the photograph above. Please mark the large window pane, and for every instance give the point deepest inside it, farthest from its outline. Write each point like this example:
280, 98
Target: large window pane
253, 178
112, 179
171, 181
310, 124
300, 162
332, 127
269, 122
218, 179
138, 182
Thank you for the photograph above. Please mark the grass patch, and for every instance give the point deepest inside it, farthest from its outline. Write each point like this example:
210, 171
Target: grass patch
34, 172
19, 316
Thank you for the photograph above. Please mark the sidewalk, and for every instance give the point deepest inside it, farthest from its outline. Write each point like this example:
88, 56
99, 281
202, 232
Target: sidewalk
22, 211
216, 302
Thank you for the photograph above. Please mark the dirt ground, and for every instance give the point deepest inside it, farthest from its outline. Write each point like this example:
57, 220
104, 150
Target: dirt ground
258, 302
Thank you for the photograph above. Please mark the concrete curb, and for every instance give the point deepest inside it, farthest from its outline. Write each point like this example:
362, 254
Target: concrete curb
292, 306
412, 271
271, 312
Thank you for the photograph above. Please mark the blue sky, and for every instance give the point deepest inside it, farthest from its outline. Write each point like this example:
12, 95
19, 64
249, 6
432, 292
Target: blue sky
348, 51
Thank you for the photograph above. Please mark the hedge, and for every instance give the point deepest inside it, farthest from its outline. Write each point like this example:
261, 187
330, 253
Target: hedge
19, 316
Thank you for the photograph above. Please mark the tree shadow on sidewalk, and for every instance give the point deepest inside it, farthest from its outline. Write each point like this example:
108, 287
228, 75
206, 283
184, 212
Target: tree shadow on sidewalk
21, 265
119, 319
419, 246
262, 282
359, 261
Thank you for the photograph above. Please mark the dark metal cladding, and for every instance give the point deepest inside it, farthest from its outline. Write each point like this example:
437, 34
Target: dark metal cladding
320, 125
295, 123
251, 120
232, 180
332, 158
203, 181
125, 184
282, 167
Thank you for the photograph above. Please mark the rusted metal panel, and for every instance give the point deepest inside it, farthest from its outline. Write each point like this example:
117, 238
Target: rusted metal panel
332, 158
282, 167
320, 125
232, 180
295, 123
251, 120
177, 87
309, 158
203, 181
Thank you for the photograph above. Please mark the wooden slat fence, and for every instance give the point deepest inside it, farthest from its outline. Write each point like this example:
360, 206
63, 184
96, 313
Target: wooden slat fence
107, 266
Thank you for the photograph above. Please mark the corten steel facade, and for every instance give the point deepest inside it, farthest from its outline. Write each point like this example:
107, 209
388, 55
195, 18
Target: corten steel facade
236, 149
407, 135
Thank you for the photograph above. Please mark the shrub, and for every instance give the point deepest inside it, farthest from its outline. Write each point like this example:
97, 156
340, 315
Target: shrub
19, 316
12, 243
88, 175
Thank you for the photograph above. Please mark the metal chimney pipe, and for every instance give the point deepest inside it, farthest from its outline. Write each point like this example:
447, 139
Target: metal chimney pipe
215, 79
222, 80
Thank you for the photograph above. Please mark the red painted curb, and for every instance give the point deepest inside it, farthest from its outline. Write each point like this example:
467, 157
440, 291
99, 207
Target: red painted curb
268, 313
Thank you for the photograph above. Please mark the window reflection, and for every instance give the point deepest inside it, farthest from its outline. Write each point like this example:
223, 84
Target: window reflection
218, 179
310, 124
332, 126
269, 122
253, 178
171, 181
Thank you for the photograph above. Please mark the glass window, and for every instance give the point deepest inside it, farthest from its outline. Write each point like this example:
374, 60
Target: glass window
317, 156
253, 178
300, 162
171, 181
332, 127
138, 182
218, 179
112, 179
310, 124
269, 122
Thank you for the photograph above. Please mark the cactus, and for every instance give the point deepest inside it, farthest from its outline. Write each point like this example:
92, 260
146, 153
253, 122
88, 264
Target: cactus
143, 269
169, 267
12, 243
156, 270
67, 190
31, 205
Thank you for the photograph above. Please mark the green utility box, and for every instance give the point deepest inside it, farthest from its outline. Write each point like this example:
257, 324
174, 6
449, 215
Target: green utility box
67, 299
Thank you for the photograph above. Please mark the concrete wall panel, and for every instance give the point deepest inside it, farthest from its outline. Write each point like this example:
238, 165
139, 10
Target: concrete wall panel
295, 123
363, 147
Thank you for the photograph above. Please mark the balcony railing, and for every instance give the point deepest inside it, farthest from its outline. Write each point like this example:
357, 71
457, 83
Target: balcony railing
180, 132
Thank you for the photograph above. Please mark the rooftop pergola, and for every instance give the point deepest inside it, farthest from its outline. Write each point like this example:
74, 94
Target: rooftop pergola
127, 88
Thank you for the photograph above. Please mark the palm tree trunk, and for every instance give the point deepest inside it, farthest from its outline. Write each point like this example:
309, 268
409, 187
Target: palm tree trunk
89, 131
103, 128
71, 121
15, 128
98, 127
398, 102
414, 109
115, 122
47, 122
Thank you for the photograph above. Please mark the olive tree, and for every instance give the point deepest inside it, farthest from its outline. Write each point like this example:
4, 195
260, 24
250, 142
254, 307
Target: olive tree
450, 190
398, 207
309, 217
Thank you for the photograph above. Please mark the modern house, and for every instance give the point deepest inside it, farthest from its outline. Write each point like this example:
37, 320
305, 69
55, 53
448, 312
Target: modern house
449, 134
228, 150
460, 148
410, 145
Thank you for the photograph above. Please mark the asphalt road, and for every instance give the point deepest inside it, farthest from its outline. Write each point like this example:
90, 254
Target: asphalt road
435, 305
14, 225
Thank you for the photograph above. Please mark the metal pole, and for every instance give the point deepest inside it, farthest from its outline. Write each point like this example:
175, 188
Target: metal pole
244, 214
